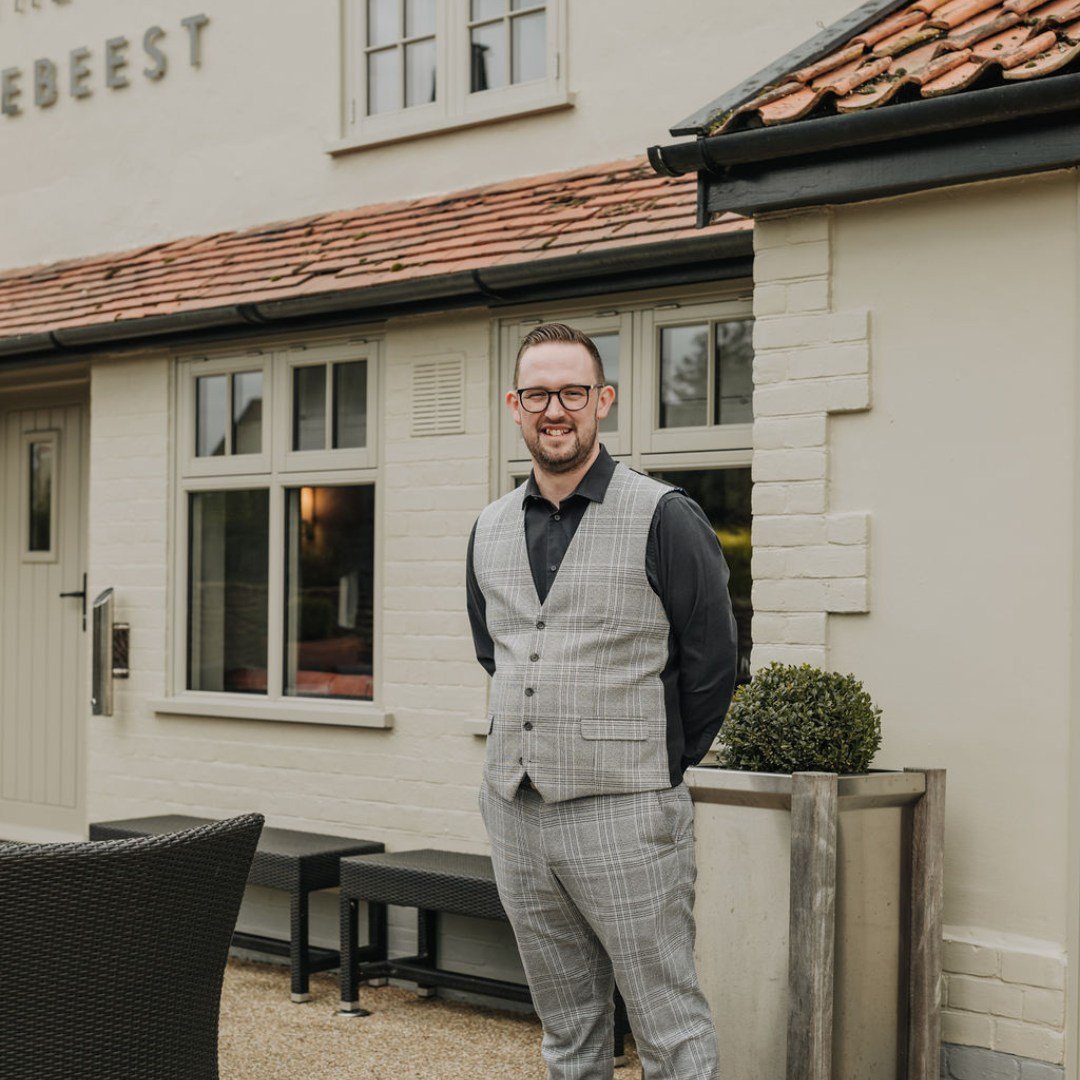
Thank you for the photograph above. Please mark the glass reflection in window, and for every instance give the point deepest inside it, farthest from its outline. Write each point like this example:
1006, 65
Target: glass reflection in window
733, 395
608, 347
227, 590
329, 591
724, 495
309, 407
684, 376
508, 42
247, 403
211, 409
350, 404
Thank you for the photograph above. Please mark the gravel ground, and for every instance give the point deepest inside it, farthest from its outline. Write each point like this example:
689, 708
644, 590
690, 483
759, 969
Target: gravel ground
264, 1036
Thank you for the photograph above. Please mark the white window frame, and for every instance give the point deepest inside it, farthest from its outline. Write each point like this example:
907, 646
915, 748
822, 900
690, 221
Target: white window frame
454, 106
276, 469
48, 437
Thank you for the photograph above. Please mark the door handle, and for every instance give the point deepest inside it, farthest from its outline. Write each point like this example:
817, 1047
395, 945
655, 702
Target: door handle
82, 594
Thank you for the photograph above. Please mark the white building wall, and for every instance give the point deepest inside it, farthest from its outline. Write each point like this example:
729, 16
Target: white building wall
242, 140
962, 459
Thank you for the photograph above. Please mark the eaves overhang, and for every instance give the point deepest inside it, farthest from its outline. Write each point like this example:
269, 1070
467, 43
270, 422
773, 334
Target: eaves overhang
686, 261
986, 134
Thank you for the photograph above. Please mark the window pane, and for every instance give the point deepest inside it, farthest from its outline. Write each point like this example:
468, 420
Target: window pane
521, 5
608, 345
684, 374
486, 9
384, 81
384, 22
419, 17
247, 397
350, 404
724, 495
488, 57
329, 591
420, 73
211, 393
227, 608
529, 34
309, 407
734, 391
41, 482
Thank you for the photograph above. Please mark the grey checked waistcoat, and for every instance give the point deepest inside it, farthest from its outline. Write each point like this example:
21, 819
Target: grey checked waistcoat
576, 699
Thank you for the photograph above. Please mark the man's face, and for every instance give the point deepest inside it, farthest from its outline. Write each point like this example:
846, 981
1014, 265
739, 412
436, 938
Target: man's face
558, 439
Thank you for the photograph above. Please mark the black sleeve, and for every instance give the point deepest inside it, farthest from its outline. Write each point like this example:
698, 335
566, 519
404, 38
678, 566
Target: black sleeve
692, 583
482, 643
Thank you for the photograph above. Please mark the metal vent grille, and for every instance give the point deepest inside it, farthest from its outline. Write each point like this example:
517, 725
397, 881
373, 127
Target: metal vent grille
438, 394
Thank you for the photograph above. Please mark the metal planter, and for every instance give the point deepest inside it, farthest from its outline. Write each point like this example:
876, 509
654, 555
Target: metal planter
819, 921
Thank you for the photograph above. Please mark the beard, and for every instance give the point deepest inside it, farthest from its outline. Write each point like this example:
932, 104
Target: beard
566, 459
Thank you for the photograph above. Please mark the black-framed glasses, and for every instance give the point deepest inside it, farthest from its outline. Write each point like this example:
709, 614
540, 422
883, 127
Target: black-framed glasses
572, 398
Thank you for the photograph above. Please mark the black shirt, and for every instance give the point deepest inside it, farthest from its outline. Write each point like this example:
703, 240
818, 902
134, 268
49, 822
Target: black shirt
685, 568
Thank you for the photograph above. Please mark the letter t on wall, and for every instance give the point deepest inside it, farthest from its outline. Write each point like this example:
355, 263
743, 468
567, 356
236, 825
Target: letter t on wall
194, 25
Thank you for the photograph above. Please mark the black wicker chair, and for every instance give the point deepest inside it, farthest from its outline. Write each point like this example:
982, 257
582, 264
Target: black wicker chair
112, 953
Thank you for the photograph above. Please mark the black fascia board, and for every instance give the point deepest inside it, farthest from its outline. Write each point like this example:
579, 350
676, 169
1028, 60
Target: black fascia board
809, 52
880, 170
718, 257
971, 108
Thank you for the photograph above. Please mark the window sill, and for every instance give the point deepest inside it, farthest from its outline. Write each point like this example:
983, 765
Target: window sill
361, 714
407, 131
476, 727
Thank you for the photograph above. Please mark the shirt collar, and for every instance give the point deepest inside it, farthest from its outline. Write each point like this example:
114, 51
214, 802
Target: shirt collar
593, 485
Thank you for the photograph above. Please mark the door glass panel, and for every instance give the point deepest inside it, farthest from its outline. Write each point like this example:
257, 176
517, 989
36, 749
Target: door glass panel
309, 407
211, 395
684, 376
724, 495
608, 347
247, 401
329, 591
488, 57
350, 404
734, 391
529, 45
384, 81
41, 486
420, 73
227, 591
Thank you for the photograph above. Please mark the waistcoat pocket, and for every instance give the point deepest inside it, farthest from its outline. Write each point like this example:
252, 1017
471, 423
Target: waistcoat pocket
637, 730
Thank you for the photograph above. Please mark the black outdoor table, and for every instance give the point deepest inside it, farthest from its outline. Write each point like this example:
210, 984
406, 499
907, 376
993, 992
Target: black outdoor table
433, 882
298, 862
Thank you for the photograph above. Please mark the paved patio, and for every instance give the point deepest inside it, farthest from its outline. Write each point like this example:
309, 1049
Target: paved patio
265, 1037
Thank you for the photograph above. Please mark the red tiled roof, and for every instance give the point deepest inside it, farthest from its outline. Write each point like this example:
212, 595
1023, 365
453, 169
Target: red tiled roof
621, 204
929, 48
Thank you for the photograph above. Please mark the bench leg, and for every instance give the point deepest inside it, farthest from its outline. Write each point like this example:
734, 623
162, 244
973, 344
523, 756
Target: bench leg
350, 989
622, 1026
427, 941
298, 945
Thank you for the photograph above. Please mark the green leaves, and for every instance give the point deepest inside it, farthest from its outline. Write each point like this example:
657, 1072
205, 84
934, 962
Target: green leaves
801, 719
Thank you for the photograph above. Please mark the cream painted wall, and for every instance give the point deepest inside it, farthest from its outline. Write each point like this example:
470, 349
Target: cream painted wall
242, 140
966, 458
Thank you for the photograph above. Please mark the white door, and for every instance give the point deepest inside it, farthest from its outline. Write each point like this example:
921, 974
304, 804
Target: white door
43, 693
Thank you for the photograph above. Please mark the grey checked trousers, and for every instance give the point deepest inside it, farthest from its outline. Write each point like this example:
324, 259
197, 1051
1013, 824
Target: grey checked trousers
600, 889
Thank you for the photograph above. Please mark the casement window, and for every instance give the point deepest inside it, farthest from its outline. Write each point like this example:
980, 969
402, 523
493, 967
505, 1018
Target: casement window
276, 527
415, 67
684, 391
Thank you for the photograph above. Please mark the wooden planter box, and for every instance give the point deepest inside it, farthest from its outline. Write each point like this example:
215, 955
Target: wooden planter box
819, 921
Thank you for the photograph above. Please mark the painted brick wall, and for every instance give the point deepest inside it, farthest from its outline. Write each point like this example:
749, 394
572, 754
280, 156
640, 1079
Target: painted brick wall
412, 786
1004, 1001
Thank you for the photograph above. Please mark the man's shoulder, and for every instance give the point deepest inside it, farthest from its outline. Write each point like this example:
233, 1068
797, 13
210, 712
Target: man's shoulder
497, 508
631, 480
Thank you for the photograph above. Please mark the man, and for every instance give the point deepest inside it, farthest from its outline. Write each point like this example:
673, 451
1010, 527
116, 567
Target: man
599, 604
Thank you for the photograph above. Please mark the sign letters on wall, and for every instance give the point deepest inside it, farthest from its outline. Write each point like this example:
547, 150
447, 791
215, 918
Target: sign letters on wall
47, 79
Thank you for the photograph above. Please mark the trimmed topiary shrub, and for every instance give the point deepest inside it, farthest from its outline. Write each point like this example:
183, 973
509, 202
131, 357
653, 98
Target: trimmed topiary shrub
800, 719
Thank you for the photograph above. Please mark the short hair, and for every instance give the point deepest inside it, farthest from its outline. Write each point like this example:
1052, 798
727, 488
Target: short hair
559, 332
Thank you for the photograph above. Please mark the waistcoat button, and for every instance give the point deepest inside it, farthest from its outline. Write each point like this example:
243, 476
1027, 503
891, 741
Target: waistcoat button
534, 657
557, 517
529, 691
527, 725
540, 624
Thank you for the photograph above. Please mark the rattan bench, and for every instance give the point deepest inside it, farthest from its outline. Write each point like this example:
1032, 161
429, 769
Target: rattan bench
297, 862
433, 882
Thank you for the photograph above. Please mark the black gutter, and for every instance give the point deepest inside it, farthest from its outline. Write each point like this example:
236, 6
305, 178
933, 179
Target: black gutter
717, 257
809, 52
716, 153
